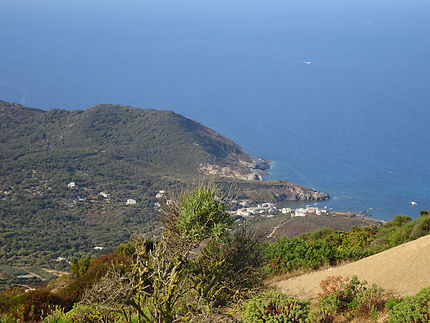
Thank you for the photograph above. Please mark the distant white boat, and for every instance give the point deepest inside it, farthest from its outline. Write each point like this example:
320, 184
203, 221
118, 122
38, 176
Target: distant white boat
308, 62
413, 203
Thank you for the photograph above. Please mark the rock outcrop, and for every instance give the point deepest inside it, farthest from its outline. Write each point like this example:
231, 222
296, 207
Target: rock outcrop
254, 169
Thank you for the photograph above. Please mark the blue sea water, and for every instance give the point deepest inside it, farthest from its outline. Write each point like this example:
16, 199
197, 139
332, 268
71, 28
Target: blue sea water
353, 123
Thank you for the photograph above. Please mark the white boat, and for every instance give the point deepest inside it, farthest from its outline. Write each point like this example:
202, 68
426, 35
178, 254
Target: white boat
308, 62
413, 203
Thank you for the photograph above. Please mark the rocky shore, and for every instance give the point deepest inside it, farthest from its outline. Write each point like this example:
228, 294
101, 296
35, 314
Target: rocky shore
254, 169
248, 175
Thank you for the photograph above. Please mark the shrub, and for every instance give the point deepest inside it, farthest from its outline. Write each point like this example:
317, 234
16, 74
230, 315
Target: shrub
412, 309
55, 315
96, 269
368, 300
421, 228
79, 267
287, 255
326, 310
351, 298
202, 214
391, 303
275, 307
402, 229
228, 268
87, 313
317, 248
34, 304
331, 285
400, 220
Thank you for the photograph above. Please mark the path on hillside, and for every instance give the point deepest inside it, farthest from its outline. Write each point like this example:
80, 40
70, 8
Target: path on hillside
276, 228
403, 270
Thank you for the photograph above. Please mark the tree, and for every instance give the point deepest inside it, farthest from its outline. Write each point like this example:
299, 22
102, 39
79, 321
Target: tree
79, 267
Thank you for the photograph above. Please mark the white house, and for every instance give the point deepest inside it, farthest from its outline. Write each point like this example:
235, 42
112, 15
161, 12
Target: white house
243, 212
300, 212
268, 205
321, 211
243, 203
71, 185
312, 209
130, 202
286, 210
160, 194
105, 195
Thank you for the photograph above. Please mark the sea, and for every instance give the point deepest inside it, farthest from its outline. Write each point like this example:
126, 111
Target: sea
335, 93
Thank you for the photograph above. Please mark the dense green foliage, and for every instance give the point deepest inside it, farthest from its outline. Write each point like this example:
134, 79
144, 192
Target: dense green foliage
202, 214
275, 307
228, 268
402, 229
412, 309
126, 152
313, 250
95, 270
79, 267
30, 306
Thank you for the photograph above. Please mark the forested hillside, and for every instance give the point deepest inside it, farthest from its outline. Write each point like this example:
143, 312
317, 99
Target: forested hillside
66, 176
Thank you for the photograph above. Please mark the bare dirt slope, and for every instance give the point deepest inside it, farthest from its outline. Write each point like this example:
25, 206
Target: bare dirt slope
403, 270
281, 226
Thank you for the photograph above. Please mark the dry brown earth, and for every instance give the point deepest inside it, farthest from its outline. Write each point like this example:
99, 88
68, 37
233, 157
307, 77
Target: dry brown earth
299, 225
403, 270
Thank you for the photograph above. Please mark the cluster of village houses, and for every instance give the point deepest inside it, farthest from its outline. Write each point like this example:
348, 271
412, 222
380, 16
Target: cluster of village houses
264, 209
270, 210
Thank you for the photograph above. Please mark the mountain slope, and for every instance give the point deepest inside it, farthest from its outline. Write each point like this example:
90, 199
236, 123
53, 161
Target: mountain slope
159, 140
111, 154
403, 270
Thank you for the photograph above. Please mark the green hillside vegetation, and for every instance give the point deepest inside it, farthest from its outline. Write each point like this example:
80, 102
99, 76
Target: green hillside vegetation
330, 247
341, 300
110, 136
203, 268
126, 152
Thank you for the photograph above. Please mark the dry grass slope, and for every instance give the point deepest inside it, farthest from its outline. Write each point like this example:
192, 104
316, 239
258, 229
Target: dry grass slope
403, 270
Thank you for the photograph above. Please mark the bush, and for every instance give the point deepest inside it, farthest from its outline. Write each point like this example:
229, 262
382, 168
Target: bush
351, 298
400, 220
275, 307
227, 269
32, 305
96, 269
79, 267
412, 309
326, 311
82, 313
421, 228
402, 229
287, 255
202, 214
391, 303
